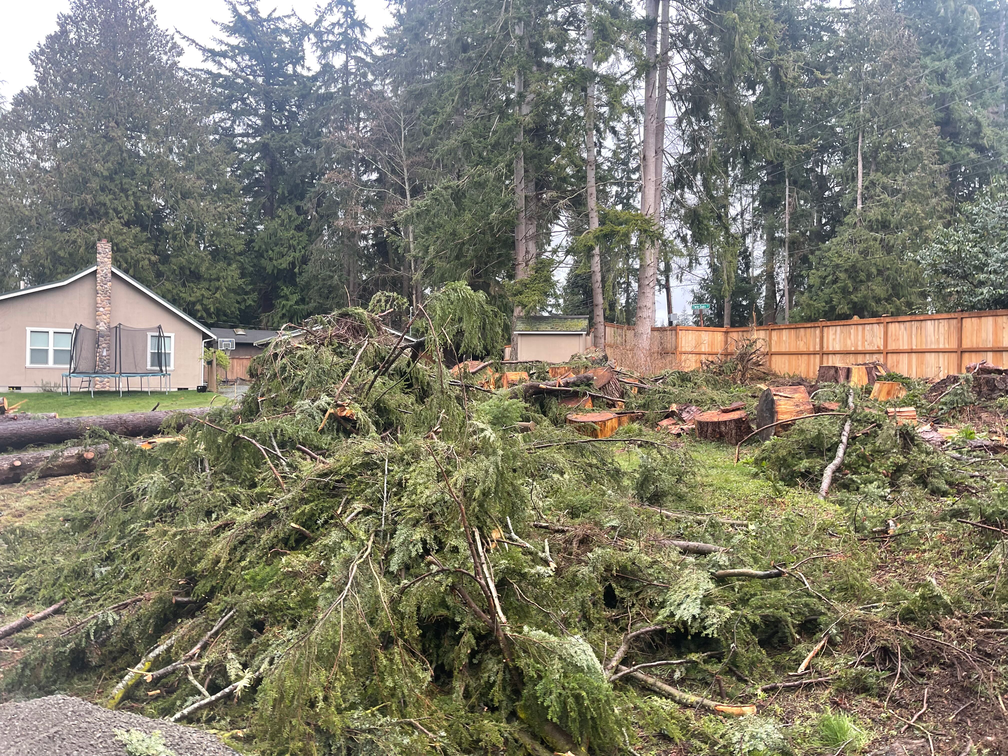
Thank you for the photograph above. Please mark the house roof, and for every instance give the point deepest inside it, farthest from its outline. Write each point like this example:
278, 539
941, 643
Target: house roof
244, 335
552, 324
132, 281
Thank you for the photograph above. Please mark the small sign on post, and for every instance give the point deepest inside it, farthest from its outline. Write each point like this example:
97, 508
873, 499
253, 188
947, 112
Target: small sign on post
701, 307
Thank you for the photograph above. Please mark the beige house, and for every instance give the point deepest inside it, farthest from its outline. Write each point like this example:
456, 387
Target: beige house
37, 330
551, 338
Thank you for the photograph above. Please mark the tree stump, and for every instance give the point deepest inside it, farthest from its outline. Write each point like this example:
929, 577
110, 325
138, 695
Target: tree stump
781, 403
730, 427
866, 373
596, 424
884, 391
834, 374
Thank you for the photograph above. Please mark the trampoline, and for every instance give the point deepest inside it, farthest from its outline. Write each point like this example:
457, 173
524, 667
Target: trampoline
138, 355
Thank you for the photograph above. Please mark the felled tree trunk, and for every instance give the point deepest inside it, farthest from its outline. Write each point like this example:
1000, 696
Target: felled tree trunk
12, 416
52, 463
781, 403
730, 427
55, 431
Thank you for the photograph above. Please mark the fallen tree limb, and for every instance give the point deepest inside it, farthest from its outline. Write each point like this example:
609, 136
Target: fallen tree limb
114, 608
694, 547
833, 466
191, 653
597, 440
203, 703
794, 684
51, 463
625, 644
687, 699
58, 430
120, 690
776, 572
30, 619
649, 665
538, 388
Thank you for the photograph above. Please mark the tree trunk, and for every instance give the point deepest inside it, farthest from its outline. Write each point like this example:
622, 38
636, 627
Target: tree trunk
730, 427
884, 391
647, 273
40, 432
598, 301
781, 403
1001, 52
787, 249
659, 165
52, 463
770, 274
860, 162
12, 416
519, 172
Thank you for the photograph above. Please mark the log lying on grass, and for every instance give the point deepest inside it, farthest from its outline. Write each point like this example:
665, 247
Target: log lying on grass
834, 374
51, 463
778, 404
597, 424
12, 416
730, 427
55, 431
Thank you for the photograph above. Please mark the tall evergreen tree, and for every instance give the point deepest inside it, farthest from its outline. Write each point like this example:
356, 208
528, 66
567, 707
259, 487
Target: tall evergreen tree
114, 140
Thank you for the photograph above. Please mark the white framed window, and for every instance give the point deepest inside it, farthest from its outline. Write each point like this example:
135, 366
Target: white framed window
48, 347
165, 344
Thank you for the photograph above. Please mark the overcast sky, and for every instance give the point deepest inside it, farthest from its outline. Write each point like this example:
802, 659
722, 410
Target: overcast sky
27, 22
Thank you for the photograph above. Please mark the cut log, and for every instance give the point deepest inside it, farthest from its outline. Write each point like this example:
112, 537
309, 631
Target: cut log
559, 371
903, 415
513, 378
12, 416
733, 407
781, 403
559, 386
989, 386
41, 432
577, 402
51, 464
834, 374
885, 391
597, 424
826, 407
730, 427
30, 619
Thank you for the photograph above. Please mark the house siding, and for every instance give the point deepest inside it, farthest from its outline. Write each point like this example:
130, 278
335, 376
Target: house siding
64, 306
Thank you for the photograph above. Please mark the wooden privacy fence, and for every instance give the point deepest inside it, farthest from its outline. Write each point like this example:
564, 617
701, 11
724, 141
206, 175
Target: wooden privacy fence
918, 346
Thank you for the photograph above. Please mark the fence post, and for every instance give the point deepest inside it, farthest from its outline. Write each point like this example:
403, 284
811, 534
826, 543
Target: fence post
885, 342
822, 349
960, 368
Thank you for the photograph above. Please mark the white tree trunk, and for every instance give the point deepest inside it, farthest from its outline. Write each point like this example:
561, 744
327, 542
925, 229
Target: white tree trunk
648, 271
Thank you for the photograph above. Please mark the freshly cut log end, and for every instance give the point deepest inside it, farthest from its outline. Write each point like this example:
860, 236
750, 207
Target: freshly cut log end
781, 403
576, 402
595, 424
556, 372
903, 415
884, 391
730, 427
834, 374
513, 378
866, 373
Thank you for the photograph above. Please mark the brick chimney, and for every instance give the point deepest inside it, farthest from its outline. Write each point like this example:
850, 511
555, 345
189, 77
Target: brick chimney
103, 308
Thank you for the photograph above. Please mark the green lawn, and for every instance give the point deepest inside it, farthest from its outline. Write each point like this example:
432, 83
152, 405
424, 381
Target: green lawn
109, 403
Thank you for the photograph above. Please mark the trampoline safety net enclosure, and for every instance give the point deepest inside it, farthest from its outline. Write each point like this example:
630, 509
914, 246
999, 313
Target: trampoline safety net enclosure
137, 355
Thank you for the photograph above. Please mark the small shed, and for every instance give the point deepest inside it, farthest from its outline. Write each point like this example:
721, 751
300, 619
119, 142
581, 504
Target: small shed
551, 338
